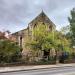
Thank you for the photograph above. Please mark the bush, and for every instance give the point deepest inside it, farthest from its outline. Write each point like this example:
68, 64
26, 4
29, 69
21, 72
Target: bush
9, 51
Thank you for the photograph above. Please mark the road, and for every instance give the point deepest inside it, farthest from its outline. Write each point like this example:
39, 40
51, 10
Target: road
51, 71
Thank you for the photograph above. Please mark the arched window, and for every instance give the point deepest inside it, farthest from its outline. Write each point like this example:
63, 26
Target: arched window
43, 23
50, 27
34, 25
20, 41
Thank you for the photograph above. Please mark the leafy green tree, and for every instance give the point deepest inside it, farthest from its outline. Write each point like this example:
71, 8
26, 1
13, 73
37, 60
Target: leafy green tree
9, 51
72, 26
43, 39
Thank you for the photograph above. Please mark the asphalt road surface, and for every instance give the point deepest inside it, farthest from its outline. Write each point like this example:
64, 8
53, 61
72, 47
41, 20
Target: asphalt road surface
51, 71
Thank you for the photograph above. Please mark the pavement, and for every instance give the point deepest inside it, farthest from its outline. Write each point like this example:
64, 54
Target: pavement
29, 68
69, 70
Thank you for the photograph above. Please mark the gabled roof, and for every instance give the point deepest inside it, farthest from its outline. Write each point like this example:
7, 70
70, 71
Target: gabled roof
43, 17
16, 33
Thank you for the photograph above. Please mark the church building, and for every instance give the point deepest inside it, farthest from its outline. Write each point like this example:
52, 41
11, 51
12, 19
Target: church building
22, 35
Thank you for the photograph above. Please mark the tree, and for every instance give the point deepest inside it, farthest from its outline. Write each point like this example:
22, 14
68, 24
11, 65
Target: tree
46, 40
72, 26
64, 30
42, 39
9, 51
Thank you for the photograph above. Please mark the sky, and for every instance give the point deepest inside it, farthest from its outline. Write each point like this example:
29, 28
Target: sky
16, 14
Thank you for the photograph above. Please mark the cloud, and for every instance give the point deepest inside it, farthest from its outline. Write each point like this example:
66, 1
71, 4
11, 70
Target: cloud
16, 14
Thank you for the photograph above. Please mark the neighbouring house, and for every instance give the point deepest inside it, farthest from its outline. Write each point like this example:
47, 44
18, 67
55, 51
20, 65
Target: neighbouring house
2, 35
7, 36
22, 35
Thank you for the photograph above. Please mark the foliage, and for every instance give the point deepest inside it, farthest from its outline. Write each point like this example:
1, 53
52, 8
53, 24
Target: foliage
46, 40
72, 26
9, 51
64, 30
43, 39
